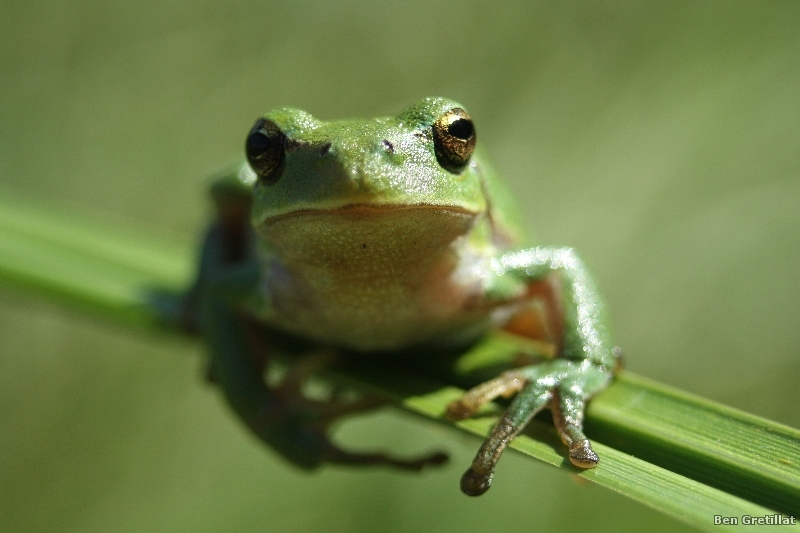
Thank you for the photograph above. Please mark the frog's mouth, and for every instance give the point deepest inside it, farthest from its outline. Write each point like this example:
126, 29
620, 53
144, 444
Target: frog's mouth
366, 211
347, 233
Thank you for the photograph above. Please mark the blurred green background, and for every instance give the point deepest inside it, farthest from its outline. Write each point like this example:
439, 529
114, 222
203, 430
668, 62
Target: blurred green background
661, 140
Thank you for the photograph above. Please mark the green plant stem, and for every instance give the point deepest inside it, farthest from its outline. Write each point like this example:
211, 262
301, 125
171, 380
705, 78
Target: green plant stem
685, 456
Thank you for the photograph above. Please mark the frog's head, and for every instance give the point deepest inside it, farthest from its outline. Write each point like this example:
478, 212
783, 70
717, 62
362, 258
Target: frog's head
420, 158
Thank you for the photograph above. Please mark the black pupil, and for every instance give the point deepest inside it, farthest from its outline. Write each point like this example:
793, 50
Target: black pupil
259, 142
461, 129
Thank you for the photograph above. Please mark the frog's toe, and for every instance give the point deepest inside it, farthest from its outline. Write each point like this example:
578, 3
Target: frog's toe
474, 483
582, 455
339, 456
506, 385
568, 418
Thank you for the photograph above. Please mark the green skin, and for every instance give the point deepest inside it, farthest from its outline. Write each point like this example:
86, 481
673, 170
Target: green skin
362, 241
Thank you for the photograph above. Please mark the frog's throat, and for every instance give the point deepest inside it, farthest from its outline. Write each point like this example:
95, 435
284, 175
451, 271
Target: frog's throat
373, 277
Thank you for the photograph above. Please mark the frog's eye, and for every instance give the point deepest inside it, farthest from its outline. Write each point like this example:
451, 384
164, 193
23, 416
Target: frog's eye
454, 139
265, 150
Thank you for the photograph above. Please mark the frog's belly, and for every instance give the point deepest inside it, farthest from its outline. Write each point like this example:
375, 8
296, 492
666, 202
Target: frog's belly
374, 278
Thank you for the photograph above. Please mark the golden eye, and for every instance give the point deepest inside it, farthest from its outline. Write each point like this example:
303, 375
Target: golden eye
265, 150
454, 139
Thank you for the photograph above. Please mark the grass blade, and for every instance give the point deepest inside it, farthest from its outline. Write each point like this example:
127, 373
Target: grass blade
680, 454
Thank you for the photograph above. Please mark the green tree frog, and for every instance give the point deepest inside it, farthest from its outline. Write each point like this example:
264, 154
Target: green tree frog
384, 236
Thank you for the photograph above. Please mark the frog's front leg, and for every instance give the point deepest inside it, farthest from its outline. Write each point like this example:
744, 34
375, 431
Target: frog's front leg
584, 366
240, 348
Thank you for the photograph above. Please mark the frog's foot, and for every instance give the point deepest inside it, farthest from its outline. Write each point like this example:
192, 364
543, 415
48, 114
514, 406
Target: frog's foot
528, 401
297, 426
561, 385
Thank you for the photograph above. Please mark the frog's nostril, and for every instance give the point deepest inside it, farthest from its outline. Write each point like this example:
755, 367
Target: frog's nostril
389, 147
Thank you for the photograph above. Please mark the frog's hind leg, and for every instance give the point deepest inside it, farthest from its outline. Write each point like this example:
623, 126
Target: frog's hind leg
298, 427
282, 415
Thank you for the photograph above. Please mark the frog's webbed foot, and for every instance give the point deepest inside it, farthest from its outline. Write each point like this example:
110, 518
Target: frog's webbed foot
297, 426
562, 385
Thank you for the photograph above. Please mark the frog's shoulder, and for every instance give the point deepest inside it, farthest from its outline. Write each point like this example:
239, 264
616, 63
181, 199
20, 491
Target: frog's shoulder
503, 209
